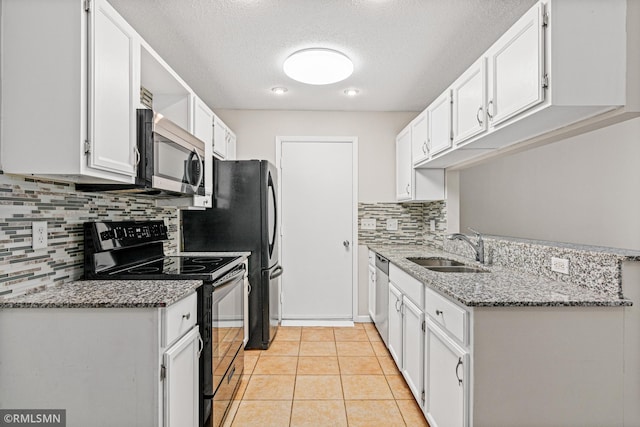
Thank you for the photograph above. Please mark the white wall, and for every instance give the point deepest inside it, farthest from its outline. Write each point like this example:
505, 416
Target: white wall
376, 131
585, 189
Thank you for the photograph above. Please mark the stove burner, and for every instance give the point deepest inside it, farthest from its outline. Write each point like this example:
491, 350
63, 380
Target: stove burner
143, 270
192, 268
200, 260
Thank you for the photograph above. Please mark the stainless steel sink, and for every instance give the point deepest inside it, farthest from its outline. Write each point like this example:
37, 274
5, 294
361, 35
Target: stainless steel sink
435, 262
457, 269
444, 265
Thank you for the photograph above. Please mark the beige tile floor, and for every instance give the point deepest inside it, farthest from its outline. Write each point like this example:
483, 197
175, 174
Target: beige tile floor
323, 377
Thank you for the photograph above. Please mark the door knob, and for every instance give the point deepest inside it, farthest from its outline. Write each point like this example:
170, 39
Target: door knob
346, 244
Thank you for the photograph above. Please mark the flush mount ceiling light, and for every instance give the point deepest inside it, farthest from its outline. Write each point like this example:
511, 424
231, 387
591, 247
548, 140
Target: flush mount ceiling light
318, 66
351, 92
279, 90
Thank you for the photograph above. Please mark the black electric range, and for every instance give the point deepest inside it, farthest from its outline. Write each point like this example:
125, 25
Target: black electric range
133, 250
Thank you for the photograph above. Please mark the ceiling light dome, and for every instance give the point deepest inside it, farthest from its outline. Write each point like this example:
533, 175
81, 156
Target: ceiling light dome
318, 66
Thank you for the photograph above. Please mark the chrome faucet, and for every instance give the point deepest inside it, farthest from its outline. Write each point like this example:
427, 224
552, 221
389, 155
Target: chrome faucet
477, 247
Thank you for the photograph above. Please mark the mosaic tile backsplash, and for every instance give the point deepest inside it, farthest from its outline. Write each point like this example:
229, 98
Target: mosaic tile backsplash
413, 223
23, 200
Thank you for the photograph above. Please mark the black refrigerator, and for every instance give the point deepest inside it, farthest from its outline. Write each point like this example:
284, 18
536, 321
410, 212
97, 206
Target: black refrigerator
244, 217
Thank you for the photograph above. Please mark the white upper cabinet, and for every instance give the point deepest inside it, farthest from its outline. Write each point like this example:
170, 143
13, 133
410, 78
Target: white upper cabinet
562, 63
469, 96
439, 113
419, 138
67, 91
223, 139
202, 121
111, 78
404, 167
516, 68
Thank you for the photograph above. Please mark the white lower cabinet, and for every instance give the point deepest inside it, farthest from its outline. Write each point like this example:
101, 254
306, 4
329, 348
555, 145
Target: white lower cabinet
395, 324
413, 347
181, 381
120, 366
446, 380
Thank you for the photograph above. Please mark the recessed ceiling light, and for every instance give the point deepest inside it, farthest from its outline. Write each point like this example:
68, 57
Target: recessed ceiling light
318, 66
351, 92
279, 90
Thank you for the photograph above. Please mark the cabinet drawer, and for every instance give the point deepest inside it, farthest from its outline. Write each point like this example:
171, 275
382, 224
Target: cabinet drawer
445, 313
411, 287
178, 318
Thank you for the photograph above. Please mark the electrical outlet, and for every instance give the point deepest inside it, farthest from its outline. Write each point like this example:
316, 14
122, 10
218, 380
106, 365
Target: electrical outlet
39, 234
560, 265
432, 225
392, 224
368, 223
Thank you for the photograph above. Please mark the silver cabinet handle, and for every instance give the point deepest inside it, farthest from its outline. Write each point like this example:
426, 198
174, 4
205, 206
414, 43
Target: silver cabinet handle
457, 366
398, 308
186, 316
439, 312
136, 153
478, 115
408, 188
200, 345
490, 109
346, 244
424, 147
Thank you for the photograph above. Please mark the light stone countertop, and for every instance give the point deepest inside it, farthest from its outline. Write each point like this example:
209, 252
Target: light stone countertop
500, 287
106, 294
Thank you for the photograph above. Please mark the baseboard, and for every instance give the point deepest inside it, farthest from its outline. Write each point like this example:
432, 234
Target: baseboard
363, 319
312, 322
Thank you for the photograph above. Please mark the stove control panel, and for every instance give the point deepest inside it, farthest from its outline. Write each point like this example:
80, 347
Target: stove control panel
107, 235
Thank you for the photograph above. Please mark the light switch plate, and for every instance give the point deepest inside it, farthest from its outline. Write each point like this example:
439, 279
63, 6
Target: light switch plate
560, 265
392, 224
39, 234
368, 223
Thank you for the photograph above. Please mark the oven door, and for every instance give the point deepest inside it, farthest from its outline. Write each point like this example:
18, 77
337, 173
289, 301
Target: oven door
227, 326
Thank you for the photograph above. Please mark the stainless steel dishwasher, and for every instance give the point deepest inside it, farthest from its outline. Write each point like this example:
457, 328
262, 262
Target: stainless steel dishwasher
382, 298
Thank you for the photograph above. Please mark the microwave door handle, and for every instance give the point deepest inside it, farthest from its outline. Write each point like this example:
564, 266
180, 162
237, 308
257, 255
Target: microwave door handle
201, 174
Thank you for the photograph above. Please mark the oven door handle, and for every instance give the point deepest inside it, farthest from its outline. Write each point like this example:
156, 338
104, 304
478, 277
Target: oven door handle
228, 280
277, 272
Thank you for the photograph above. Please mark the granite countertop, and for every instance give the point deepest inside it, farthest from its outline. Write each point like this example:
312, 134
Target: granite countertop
499, 287
106, 294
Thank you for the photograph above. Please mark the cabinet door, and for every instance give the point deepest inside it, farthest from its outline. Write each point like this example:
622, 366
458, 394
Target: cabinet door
181, 381
469, 95
219, 138
413, 348
372, 291
516, 67
404, 167
446, 380
231, 146
111, 107
395, 324
202, 121
439, 124
419, 136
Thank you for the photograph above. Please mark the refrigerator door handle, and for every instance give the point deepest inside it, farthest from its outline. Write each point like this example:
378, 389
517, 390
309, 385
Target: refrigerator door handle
277, 272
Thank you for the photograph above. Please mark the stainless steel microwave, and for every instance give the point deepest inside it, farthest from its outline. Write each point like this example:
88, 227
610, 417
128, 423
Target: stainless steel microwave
170, 161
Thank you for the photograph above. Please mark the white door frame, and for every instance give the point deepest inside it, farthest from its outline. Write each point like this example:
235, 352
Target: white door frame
353, 140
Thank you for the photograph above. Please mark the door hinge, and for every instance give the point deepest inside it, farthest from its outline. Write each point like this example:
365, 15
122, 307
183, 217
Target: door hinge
545, 19
424, 329
422, 397
545, 81
87, 5
87, 147
163, 372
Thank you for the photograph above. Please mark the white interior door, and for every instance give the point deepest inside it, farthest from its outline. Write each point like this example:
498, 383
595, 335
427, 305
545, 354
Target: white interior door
317, 206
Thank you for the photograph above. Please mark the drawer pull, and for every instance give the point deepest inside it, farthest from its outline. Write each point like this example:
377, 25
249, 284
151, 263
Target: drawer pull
457, 366
186, 316
439, 312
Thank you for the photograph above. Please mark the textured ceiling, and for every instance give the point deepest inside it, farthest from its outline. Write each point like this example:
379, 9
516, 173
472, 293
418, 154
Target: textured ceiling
405, 52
